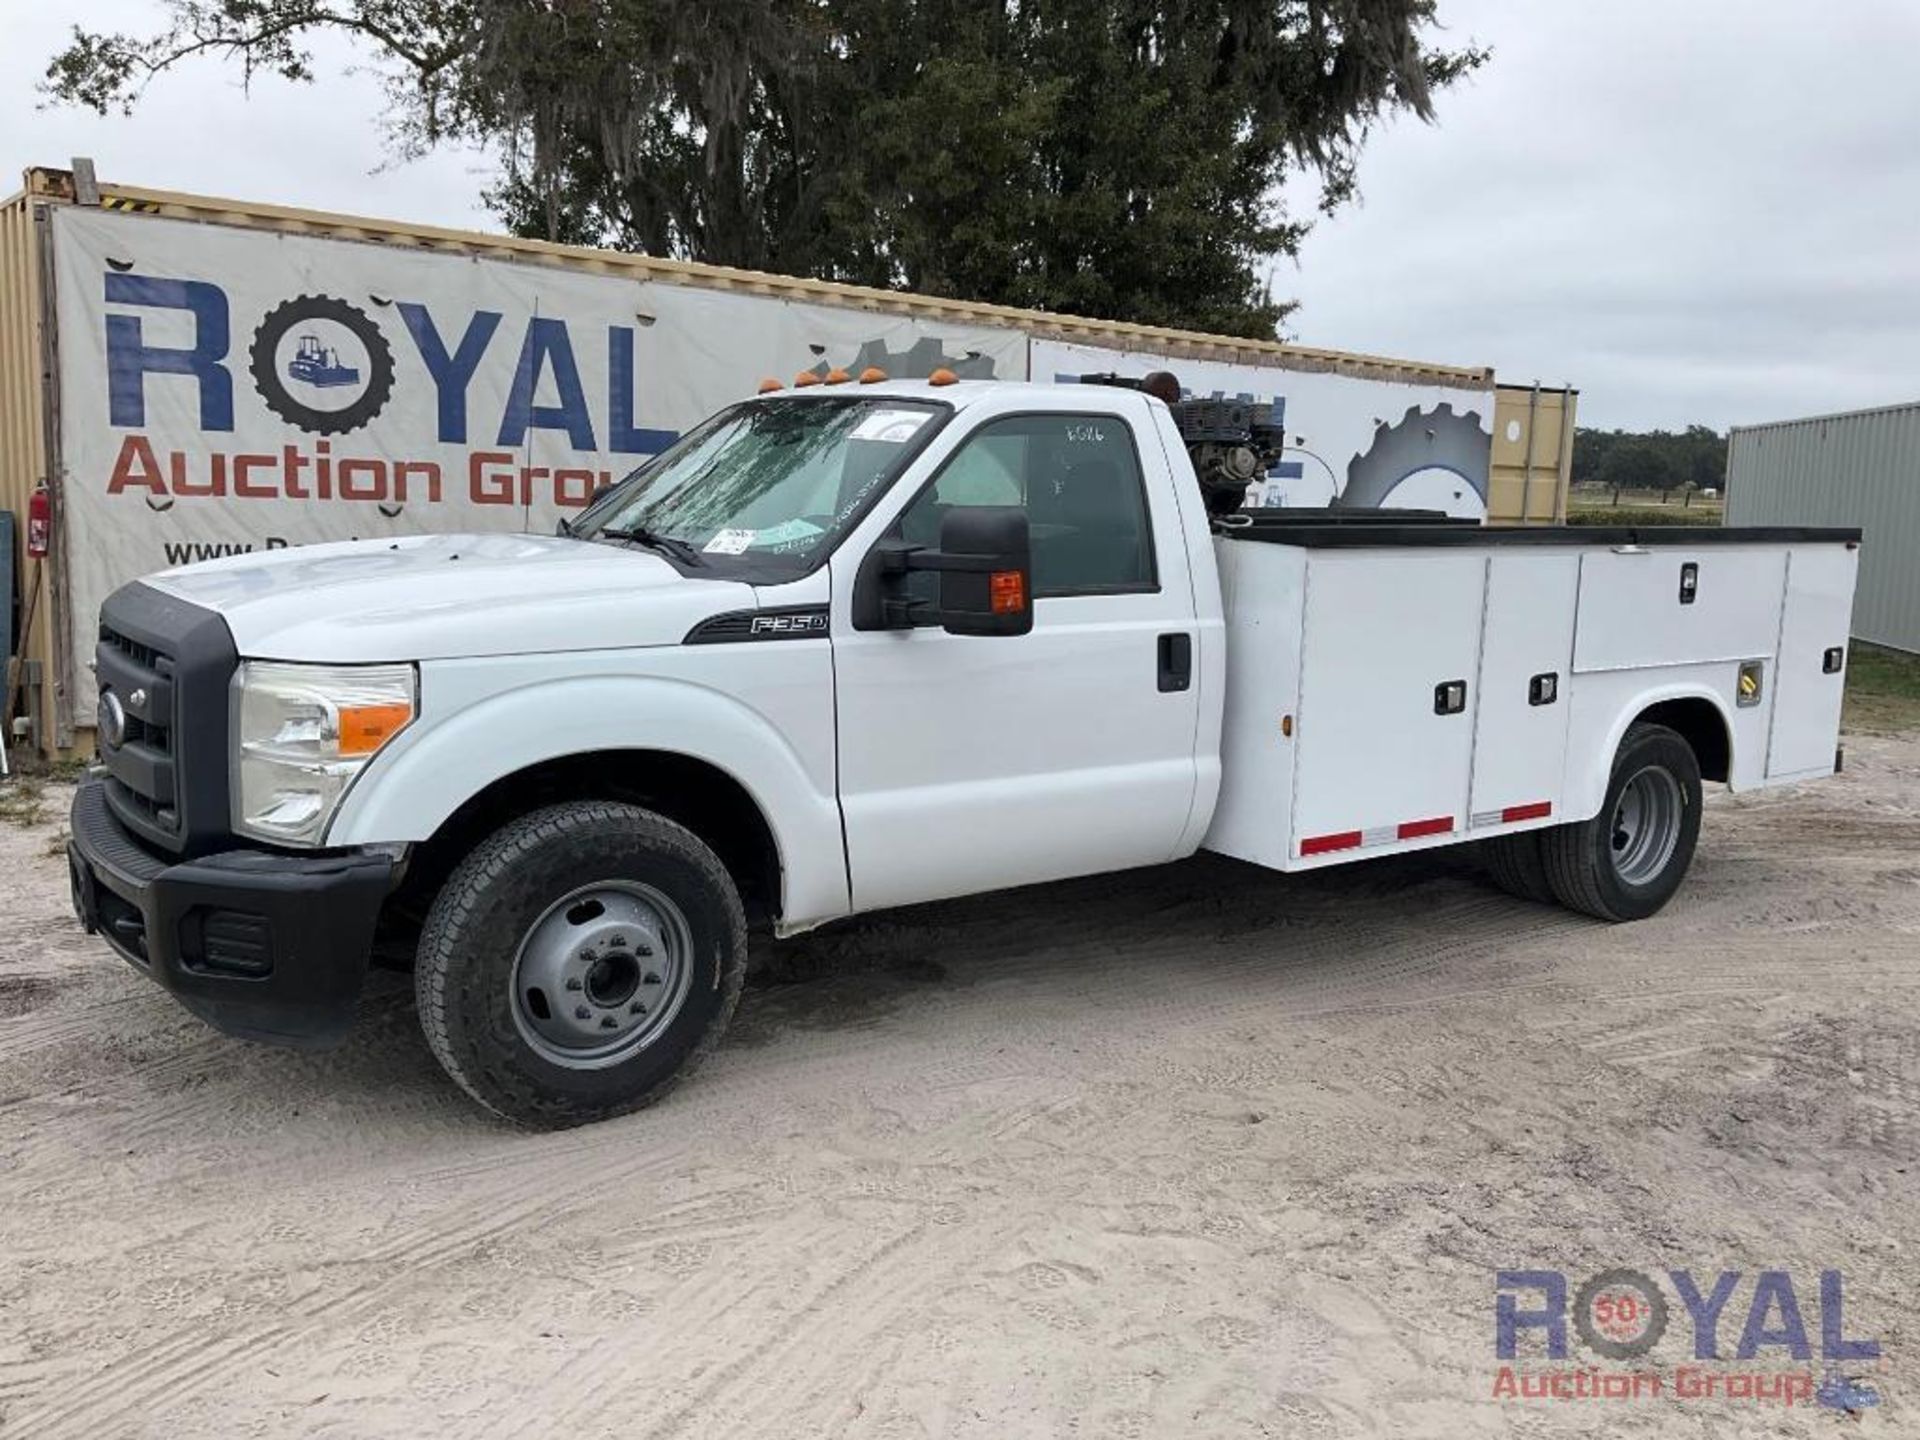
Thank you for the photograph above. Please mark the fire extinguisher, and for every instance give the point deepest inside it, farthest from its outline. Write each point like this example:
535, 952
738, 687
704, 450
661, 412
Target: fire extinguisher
40, 523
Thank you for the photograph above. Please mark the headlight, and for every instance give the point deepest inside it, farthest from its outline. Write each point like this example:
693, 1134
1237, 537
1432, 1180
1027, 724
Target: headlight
304, 732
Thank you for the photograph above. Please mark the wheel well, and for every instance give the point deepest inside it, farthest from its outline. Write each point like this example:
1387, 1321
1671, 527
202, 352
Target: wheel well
702, 797
1701, 725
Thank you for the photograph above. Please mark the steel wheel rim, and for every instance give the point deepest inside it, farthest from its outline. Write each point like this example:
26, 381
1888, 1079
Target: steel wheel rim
601, 974
1646, 825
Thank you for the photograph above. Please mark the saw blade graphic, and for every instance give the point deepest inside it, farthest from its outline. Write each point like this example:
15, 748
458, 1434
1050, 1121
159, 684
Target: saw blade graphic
1420, 440
926, 355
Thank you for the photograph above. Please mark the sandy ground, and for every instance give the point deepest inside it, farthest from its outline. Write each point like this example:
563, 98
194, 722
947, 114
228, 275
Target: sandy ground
1200, 1151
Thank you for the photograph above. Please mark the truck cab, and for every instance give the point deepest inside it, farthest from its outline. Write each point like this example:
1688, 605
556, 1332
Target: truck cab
855, 645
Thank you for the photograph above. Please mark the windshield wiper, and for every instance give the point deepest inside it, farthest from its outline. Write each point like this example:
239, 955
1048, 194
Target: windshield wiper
654, 540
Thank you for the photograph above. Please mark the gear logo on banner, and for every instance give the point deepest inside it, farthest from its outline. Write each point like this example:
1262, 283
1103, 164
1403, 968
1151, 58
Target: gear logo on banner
321, 364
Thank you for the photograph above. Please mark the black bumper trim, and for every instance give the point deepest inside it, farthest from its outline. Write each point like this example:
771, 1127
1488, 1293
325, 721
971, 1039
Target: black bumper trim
260, 944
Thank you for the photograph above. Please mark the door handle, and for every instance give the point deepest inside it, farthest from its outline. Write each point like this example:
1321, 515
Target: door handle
1176, 661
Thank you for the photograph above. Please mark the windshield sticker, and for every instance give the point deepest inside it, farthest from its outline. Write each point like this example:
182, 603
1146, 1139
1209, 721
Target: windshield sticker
896, 427
796, 531
729, 542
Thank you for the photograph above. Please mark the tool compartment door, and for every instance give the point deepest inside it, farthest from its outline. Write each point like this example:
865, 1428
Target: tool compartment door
1806, 694
1634, 610
1520, 726
1376, 763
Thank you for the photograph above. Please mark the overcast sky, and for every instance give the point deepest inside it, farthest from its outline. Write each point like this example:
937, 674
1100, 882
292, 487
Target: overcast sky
1693, 210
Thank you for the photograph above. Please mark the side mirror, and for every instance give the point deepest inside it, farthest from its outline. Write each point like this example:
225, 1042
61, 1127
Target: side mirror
986, 571
986, 577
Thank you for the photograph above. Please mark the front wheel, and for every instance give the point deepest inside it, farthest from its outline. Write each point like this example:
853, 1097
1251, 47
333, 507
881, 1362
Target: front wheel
1626, 862
579, 962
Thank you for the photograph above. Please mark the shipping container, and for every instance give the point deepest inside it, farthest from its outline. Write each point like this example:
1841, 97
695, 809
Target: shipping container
194, 377
1860, 468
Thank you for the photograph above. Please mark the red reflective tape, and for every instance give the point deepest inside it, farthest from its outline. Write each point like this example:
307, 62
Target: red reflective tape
1538, 810
1321, 844
1414, 829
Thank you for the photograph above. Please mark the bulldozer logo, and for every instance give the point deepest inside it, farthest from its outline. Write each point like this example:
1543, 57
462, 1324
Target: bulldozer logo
321, 364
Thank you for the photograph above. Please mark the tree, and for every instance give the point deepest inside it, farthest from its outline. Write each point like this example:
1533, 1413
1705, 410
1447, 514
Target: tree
1650, 459
1116, 158
1639, 463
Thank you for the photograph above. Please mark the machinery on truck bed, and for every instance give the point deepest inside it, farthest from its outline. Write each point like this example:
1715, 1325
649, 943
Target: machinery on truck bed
853, 646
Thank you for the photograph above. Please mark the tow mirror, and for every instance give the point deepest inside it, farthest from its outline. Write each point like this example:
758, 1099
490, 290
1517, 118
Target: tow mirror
986, 571
986, 577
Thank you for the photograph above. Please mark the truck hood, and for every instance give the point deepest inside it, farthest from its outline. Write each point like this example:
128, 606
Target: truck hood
434, 597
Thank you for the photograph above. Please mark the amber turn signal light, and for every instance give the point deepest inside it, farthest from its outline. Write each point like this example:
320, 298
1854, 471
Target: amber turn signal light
942, 376
769, 385
804, 379
365, 728
1007, 590
872, 375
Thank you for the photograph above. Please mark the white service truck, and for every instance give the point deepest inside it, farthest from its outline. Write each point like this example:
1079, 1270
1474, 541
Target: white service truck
867, 643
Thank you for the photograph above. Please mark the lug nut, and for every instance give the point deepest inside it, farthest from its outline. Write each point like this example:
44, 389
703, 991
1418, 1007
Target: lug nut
651, 979
616, 941
607, 1022
581, 1012
573, 982
589, 955
636, 1008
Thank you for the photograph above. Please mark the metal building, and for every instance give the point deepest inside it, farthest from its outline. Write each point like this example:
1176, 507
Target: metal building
1860, 468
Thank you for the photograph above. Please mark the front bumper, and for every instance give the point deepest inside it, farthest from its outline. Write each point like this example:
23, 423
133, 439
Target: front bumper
260, 944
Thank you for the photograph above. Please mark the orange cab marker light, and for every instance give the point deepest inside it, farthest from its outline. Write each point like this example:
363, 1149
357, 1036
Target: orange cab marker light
365, 728
942, 376
804, 379
837, 376
769, 385
872, 375
1008, 591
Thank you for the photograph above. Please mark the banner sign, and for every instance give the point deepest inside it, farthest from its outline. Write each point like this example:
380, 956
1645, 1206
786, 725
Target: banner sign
227, 389
224, 390
1350, 441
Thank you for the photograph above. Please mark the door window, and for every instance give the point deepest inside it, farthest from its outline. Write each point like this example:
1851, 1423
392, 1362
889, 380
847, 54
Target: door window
1077, 476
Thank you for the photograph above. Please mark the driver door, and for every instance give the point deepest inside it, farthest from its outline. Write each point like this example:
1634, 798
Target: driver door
972, 763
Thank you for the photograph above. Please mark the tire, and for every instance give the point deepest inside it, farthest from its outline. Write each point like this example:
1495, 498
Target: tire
1626, 862
1515, 864
579, 963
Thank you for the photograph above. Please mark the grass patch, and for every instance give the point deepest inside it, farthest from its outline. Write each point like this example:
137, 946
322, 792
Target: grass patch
1642, 515
22, 801
1883, 691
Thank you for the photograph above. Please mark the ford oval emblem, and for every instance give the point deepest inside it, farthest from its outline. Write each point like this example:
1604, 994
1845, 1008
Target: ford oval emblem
113, 720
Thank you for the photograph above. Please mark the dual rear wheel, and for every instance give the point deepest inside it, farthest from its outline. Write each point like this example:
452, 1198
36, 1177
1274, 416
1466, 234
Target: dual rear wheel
1627, 861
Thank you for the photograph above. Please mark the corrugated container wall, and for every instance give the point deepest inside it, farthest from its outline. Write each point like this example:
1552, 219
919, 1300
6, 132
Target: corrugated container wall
1862, 469
23, 456
1532, 455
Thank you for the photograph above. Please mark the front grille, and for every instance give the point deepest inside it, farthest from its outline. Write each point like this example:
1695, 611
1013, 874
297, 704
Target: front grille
155, 732
163, 667
139, 678
134, 650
